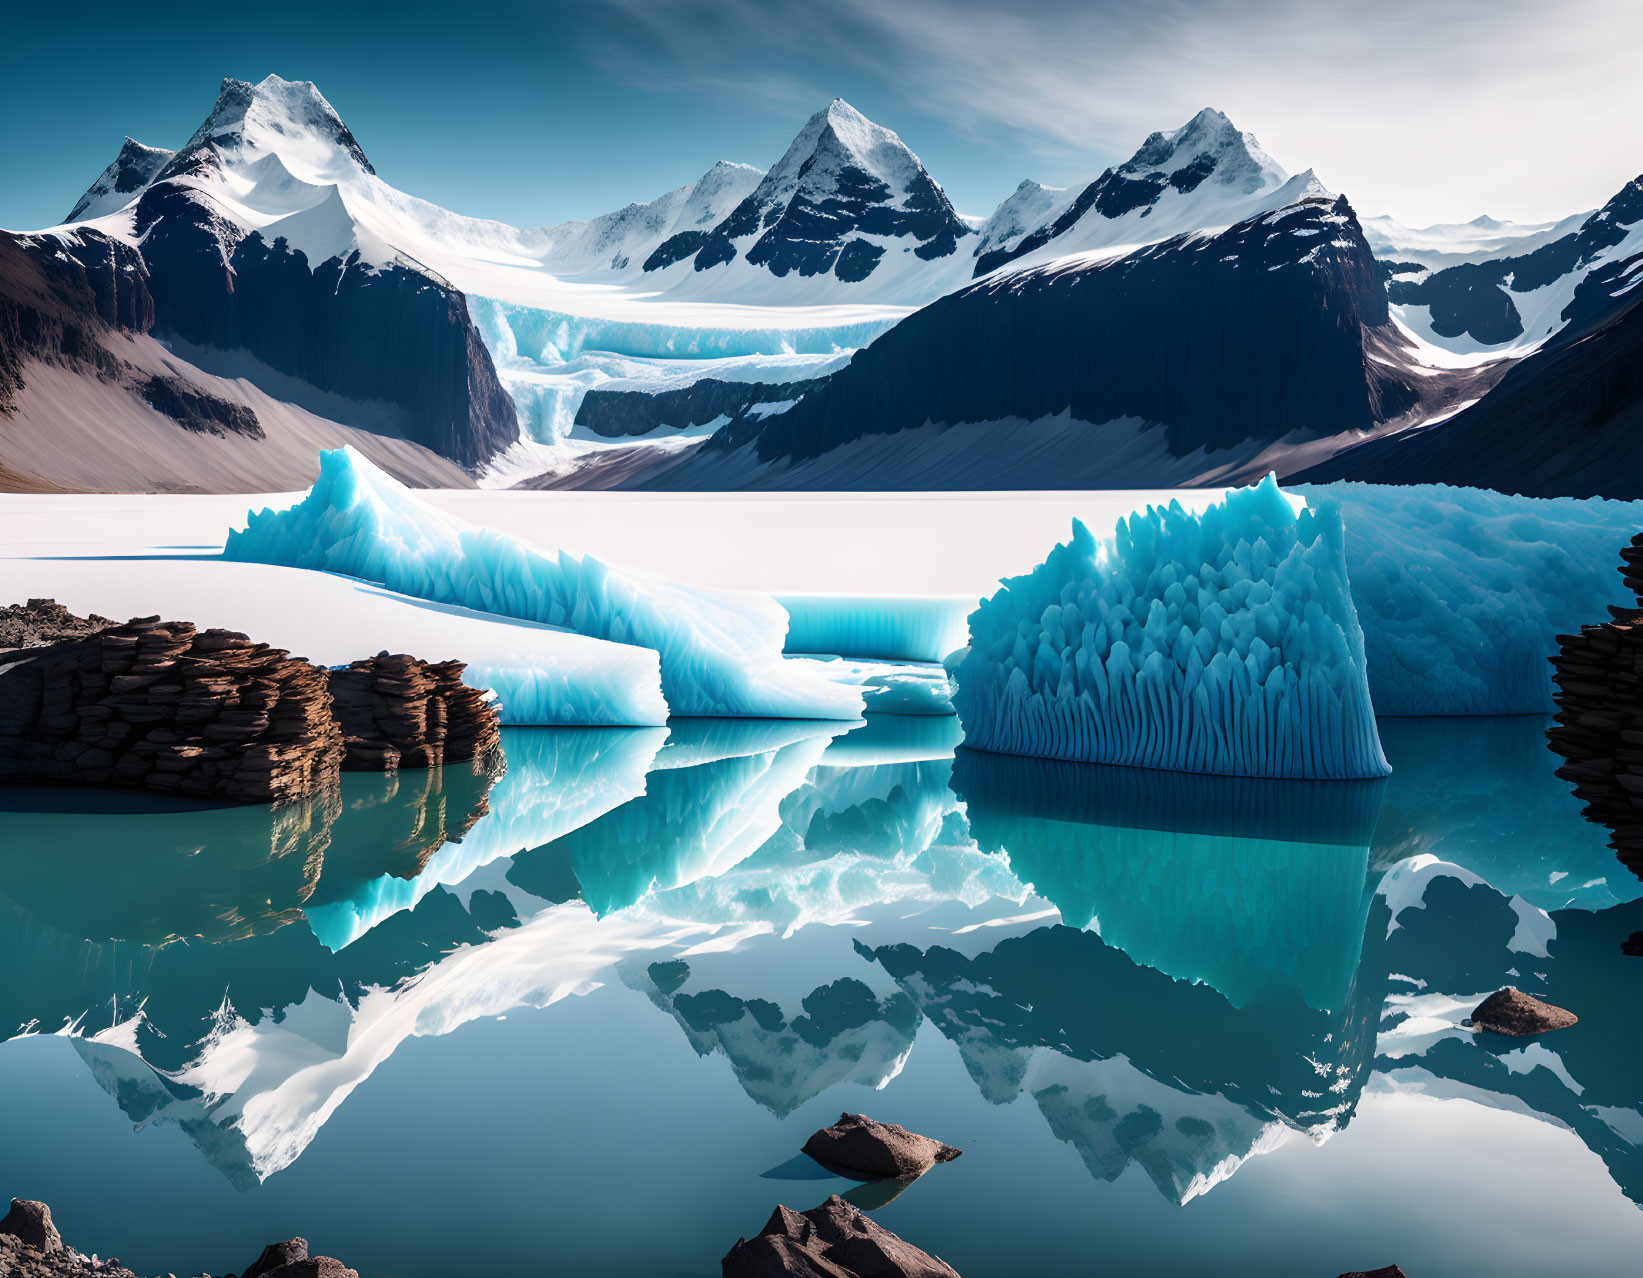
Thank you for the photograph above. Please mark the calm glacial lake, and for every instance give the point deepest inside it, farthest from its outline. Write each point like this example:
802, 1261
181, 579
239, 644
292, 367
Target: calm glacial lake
578, 1015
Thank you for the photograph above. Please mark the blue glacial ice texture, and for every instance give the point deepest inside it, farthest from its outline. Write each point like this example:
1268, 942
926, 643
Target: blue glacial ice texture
909, 628
1462, 592
1224, 642
721, 652
549, 360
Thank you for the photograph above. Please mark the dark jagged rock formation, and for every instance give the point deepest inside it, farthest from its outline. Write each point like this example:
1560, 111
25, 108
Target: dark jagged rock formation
1598, 678
1512, 1012
193, 410
863, 1146
835, 1240
617, 413
397, 711
1563, 422
1385, 1271
842, 178
30, 1247
133, 168
1276, 327
168, 707
43, 621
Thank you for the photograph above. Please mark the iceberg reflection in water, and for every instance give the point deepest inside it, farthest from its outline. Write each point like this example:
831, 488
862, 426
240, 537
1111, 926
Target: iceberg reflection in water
757, 922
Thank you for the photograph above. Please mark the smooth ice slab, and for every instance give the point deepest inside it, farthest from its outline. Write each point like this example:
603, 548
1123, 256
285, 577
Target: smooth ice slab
1462, 592
721, 652
1223, 642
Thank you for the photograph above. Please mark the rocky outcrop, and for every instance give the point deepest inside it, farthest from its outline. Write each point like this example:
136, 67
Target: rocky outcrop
194, 410
30, 1223
835, 1240
615, 414
865, 1148
30, 1247
1512, 1012
397, 711
43, 621
1598, 688
167, 707
1385, 1271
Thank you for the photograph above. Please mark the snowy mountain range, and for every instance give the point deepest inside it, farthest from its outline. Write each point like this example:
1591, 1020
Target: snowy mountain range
262, 289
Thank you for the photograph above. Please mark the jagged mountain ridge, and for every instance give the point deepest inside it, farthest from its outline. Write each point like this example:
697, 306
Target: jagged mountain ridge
843, 187
1214, 347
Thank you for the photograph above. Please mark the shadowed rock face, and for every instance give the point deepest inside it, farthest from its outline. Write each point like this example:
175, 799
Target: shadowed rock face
835, 1240
43, 621
615, 414
1255, 333
397, 334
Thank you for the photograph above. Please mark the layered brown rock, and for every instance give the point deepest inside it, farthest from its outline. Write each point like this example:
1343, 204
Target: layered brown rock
397, 711
1598, 675
837, 1240
171, 708
43, 621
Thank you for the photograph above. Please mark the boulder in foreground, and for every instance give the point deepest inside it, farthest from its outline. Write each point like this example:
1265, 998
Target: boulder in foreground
835, 1240
1511, 1011
30, 1223
868, 1149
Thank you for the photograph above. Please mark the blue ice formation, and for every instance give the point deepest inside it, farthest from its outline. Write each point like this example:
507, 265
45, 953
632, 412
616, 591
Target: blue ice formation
1224, 642
1462, 592
721, 652
548, 360
876, 626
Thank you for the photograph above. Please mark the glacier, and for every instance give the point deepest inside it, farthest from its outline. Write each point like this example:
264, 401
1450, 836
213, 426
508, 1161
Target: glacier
1224, 642
1462, 592
548, 359
720, 651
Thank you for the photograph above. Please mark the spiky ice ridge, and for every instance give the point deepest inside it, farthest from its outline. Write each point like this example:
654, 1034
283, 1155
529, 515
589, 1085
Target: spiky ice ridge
721, 652
1463, 591
1225, 642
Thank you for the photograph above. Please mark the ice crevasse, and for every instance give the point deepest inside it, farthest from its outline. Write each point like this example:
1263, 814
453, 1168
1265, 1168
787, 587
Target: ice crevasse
720, 651
1225, 642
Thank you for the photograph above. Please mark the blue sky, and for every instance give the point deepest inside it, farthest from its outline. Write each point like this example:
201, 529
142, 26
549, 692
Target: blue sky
538, 112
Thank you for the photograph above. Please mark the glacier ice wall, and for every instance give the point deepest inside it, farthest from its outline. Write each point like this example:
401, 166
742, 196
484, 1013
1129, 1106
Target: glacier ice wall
1462, 592
548, 360
909, 628
721, 652
1224, 642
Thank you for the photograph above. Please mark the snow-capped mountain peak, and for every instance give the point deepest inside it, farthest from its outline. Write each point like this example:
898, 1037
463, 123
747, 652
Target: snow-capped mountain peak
121, 182
1207, 173
1208, 147
287, 118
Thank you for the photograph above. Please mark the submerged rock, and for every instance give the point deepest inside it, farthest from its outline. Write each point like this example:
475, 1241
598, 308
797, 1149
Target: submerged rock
1511, 1011
30, 1223
1385, 1271
836, 1240
860, 1145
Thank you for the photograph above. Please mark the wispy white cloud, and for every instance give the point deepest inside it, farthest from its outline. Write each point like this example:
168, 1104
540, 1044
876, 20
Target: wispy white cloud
1429, 109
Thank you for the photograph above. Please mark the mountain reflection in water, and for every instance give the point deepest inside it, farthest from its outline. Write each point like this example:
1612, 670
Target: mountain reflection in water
1167, 972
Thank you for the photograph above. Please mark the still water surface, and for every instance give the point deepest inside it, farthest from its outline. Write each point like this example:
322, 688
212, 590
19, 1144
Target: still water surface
578, 1015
